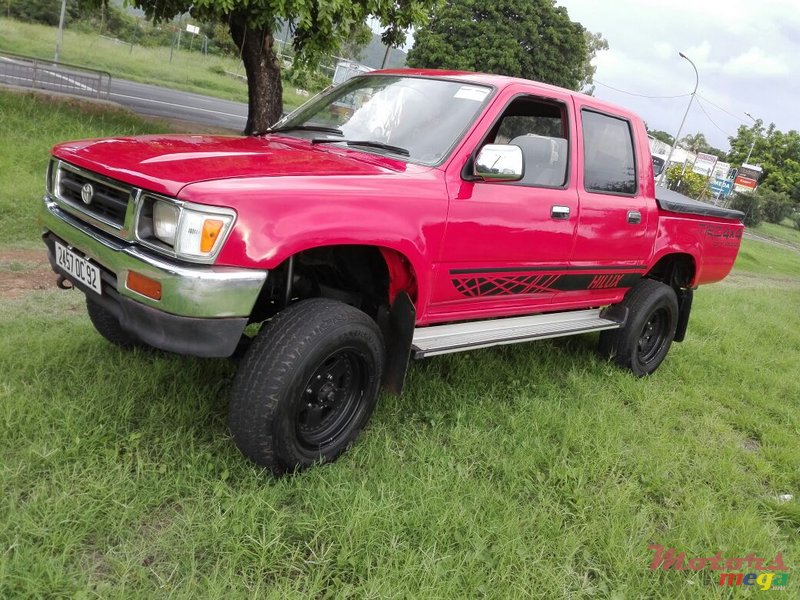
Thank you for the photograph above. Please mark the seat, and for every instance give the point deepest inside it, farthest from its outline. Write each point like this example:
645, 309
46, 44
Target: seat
545, 159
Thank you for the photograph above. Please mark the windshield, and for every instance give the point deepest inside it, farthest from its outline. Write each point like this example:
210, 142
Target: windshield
413, 118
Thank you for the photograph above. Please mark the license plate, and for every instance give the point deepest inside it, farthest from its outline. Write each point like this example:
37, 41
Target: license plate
77, 266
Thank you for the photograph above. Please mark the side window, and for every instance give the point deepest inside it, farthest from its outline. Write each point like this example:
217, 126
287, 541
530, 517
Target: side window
609, 165
539, 128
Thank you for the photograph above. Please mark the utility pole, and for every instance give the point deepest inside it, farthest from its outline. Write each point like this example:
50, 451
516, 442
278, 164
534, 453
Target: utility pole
60, 33
755, 133
678, 135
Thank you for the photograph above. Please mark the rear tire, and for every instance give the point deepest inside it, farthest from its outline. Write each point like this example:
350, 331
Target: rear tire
307, 385
108, 326
643, 343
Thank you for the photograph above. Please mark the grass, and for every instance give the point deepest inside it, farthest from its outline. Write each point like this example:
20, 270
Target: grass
536, 470
784, 232
30, 126
768, 259
188, 71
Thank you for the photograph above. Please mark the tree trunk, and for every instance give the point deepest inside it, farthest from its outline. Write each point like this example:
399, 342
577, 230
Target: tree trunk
264, 88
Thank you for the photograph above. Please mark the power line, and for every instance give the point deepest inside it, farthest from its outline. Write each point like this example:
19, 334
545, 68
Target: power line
611, 87
700, 104
717, 106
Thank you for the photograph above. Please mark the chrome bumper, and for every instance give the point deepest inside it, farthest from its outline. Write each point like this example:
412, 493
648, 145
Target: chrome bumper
188, 291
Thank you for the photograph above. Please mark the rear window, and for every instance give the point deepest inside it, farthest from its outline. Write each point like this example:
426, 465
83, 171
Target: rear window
609, 166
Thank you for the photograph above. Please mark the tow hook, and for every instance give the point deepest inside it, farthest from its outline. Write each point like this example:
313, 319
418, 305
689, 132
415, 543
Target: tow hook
63, 283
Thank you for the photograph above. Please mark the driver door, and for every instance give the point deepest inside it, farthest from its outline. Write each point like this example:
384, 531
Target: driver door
507, 244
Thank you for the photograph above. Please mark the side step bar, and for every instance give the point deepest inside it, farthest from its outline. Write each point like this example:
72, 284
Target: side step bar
457, 337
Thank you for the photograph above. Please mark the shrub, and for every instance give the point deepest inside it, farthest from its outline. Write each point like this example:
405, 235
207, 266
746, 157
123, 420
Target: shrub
686, 181
750, 205
776, 206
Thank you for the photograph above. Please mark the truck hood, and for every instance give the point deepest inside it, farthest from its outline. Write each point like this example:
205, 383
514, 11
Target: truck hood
165, 164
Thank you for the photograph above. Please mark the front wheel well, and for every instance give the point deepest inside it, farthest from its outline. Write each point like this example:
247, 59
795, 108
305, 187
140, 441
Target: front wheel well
366, 277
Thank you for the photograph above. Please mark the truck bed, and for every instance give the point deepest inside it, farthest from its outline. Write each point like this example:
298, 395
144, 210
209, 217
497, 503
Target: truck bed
678, 203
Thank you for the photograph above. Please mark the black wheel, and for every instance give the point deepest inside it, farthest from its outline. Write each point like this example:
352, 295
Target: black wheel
642, 344
108, 326
307, 385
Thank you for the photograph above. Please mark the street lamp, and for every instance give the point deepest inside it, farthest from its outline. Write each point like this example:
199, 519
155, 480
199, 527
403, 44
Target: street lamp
60, 33
678, 135
755, 132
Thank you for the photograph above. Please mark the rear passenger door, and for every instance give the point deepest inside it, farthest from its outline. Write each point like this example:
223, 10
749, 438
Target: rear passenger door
617, 223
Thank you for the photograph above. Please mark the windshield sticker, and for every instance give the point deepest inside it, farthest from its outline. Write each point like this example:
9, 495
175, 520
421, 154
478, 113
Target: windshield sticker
468, 92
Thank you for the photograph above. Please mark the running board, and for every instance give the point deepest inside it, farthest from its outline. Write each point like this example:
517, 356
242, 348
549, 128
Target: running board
457, 337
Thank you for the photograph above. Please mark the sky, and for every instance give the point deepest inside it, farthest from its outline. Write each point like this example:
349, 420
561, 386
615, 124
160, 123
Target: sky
747, 54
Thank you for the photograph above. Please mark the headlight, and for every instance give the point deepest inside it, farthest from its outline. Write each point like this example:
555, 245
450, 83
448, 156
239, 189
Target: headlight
165, 221
191, 231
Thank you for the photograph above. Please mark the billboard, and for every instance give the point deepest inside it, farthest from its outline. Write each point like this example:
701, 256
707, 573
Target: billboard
744, 184
704, 164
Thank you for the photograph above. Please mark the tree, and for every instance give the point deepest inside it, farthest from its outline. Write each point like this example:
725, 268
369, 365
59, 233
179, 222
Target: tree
695, 142
661, 135
533, 39
595, 42
320, 26
777, 153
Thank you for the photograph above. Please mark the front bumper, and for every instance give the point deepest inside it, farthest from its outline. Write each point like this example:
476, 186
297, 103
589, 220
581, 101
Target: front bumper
203, 309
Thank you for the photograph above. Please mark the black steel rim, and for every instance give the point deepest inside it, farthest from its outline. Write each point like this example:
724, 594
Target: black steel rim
654, 336
331, 399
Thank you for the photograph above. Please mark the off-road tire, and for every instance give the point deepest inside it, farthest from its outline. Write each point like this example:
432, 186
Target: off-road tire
644, 341
280, 406
108, 326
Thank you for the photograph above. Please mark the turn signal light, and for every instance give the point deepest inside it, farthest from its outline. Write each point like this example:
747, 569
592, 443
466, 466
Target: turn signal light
143, 285
211, 229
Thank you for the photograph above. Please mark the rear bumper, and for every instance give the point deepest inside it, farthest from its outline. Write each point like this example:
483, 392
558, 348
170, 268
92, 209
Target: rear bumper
203, 309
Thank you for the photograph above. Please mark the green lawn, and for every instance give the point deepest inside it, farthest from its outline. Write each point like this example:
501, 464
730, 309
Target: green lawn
535, 470
188, 71
784, 232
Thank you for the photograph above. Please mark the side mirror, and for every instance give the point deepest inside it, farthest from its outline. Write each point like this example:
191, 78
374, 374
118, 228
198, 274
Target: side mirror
496, 162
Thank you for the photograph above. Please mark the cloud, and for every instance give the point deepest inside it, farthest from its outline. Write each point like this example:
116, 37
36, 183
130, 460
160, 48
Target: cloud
756, 63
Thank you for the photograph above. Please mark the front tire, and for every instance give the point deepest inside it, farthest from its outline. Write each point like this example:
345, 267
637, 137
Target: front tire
643, 343
307, 385
108, 326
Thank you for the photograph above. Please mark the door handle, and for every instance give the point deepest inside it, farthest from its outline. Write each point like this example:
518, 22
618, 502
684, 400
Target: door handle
634, 217
559, 212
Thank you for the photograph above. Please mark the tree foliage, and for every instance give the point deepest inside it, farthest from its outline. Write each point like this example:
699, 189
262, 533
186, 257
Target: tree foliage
750, 205
595, 42
778, 153
776, 206
320, 27
661, 135
533, 39
695, 142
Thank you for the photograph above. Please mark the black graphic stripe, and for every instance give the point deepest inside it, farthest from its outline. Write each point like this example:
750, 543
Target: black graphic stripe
557, 268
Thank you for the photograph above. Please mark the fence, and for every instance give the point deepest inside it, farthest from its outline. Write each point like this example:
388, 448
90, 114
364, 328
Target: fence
27, 71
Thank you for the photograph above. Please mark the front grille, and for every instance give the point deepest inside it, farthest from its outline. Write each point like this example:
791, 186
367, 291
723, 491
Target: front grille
109, 201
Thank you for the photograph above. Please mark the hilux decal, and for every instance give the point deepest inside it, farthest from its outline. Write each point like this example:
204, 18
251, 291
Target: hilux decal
500, 282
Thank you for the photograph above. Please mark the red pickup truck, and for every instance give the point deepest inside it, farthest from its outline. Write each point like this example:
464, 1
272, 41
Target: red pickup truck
402, 213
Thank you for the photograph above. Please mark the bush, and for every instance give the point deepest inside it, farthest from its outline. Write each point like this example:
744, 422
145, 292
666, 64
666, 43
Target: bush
750, 205
776, 206
686, 181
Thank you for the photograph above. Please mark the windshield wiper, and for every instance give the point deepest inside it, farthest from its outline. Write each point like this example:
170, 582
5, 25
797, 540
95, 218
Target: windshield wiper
320, 128
367, 143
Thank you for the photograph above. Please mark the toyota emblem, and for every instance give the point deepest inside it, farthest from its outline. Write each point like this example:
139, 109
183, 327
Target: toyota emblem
87, 193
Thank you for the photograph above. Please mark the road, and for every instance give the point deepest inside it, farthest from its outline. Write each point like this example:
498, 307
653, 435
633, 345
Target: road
152, 100
149, 100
